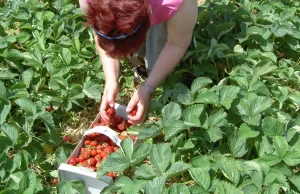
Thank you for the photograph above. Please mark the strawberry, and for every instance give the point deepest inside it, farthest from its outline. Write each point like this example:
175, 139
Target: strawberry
84, 163
118, 120
133, 137
133, 112
104, 155
91, 135
98, 157
92, 161
94, 152
67, 138
93, 144
54, 181
104, 122
110, 112
99, 147
86, 154
87, 142
49, 108
81, 158
111, 174
116, 148
73, 161
109, 149
122, 127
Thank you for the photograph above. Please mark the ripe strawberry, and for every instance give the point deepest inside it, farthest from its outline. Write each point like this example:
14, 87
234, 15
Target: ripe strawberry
81, 158
104, 155
87, 142
104, 122
133, 112
118, 120
93, 144
98, 157
84, 163
67, 138
111, 174
92, 161
91, 135
49, 108
104, 139
54, 181
94, 152
99, 147
122, 127
86, 154
109, 149
127, 124
73, 161
123, 135
82, 150
110, 111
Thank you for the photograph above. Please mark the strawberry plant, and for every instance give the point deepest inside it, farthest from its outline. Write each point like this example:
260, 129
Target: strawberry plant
225, 121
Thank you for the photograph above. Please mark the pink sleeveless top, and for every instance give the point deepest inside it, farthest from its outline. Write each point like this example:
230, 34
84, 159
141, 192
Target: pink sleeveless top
163, 10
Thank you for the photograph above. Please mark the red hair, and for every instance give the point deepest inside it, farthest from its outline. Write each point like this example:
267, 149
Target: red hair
118, 17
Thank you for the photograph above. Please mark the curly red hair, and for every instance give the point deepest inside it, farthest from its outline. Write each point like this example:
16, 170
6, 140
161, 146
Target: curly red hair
118, 17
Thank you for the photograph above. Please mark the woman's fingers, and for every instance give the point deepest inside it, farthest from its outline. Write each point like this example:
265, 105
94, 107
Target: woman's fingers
132, 103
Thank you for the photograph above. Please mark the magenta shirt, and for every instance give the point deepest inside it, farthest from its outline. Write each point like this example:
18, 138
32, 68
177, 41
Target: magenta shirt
163, 10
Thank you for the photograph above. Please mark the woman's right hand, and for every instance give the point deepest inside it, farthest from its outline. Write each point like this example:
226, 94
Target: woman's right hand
108, 98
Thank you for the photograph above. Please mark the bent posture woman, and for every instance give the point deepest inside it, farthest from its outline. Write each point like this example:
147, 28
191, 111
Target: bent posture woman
159, 30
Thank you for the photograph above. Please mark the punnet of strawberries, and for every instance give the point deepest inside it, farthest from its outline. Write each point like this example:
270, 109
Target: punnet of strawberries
96, 148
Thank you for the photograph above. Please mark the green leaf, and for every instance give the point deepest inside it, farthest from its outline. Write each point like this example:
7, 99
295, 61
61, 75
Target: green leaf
177, 167
218, 30
127, 185
272, 127
26, 105
66, 55
127, 147
140, 153
3, 91
155, 186
27, 77
62, 155
71, 187
246, 132
149, 132
179, 188
199, 83
174, 128
201, 162
227, 188
255, 106
171, 113
238, 146
92, 90
281, 146
58, 28
292, 158
213, 135
27, 182
160, 156
11, 132
269, 159
217, 119
145, 172
207, 98
191, 115
295, 179
116, 162
229, 169
274, 188
47, 119
5, 107
295, 97
201, 177
227, 95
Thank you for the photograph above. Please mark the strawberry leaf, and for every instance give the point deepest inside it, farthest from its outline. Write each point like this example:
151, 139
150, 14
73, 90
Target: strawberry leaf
174, 128
155, 186
226, 188
179, 189
170, 113
127, 147
292, 158
281, 146
272, 127
160, 156
145, 172
140, 153
191, 115
201, 177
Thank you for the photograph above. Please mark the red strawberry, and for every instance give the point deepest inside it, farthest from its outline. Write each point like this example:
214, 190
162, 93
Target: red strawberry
54, 181
122, 127
94, 152
110, 111
93, 144
133, 112
98, 157
81, 158
109, 149
86, 154
87, 142
73, 161
84, 163
92, 161
104, 155
49, 108
111, 174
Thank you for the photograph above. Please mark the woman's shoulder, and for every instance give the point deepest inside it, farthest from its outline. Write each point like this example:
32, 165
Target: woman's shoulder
84, 5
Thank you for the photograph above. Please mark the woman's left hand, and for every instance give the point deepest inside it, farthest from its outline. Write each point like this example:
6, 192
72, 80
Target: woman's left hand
141, 100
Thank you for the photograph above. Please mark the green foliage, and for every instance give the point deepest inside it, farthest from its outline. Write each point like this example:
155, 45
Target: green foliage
229, 124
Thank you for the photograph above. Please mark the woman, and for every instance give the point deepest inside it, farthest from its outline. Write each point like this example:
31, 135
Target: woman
122, 27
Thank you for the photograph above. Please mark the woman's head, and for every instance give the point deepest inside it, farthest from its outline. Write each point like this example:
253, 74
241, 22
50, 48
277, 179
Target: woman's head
112, 18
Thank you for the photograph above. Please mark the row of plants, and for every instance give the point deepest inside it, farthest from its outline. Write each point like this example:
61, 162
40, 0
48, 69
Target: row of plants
230, 124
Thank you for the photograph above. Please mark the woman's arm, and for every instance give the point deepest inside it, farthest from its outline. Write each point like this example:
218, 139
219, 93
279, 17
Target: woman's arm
180, 29
111, 69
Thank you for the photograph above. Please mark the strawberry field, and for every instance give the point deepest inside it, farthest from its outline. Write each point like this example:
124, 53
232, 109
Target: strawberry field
226, 121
